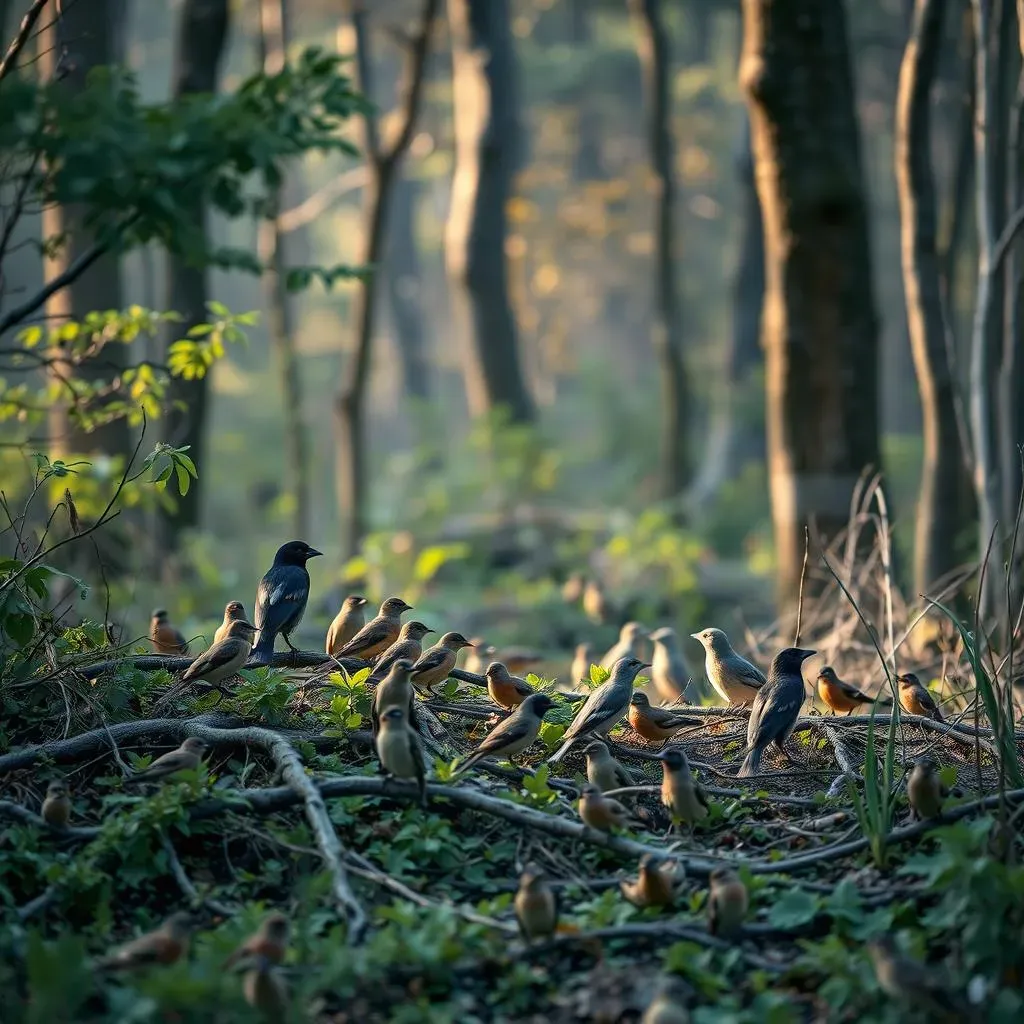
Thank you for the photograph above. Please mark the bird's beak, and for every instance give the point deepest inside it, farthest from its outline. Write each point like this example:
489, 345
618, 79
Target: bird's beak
312, 552
808, 654
468, 644
661, 756
696, 636
645, 664
361, 602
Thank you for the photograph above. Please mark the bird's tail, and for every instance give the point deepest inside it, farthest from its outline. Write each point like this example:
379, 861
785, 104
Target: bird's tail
751, 763
263, 649
561, 751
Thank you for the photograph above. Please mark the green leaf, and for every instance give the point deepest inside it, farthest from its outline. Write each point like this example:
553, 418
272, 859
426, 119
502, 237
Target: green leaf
793, 909
599, 675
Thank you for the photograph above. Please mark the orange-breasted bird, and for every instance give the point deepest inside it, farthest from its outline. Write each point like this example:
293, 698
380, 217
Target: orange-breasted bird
407, 647
435, 664
536, 905
655, 884
269, 941
56, 809
225, 657
600, 811
186, 758
234, 611
165, 945
728, 903
378, 634
515, 734
837, 695
505, 689
656, 724
166, 639
350, 619
915, 698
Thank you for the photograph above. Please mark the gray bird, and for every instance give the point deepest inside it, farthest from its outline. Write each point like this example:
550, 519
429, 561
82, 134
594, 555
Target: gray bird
776, 707
627, 646
603, 770
604, 707
479, 656
408, 647
186, 758
399, 750
395, 691
735, 679
515, 734
669, 672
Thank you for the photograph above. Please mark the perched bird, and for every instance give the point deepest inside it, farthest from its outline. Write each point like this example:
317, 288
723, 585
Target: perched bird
281, 597
627, 646
186, 758
435, 664
572, 588
378, 634
234, 611
735, 679
535, 905
669, 673
606, 704
479, 655
408, 647
506, 690
914, 986
728, 903
837, 695
655, 724
669, 1003
225, 657
349, 620
519, 659
915, 698
581, 662
166, 639
600, 811
394, 692
265, 990
655, 885
680, 792
603, 770
399, 750
269, 941
776, 708
596, 605
925, 789
165, 945
515, 734
56, 809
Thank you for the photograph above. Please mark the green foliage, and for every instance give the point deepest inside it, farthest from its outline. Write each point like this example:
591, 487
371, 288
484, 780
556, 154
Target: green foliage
875, 809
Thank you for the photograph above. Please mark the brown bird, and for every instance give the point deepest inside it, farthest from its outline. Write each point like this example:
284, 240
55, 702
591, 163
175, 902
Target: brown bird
166, 639
505, 689
669, 672
394, 692
917, 988
596, 605
186, 758
669, 1003
234, 611
266, 991
479, 655
519, 659
378, 634
600, 811
655, 885
436, 663
680, 793
165, 945
655, 724
728, 903
925, 788
225, 657
631, 638
915, 698
349, 620
515, 734
572, 588
408, 647
400, 751
603, 770
269, 941
837, 695
581, 661
56, 809
535, 905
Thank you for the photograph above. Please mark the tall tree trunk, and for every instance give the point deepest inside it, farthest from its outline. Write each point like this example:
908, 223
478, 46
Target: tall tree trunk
938, 504
202, 32
820, 326
487, 152
655, 58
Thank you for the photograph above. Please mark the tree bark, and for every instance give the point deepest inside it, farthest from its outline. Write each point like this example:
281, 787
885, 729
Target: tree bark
487, 152
654, 51
820, 326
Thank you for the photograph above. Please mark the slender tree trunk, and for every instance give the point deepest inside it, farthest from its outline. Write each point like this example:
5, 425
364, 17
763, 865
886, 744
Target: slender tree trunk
820, 326
487, 153
655, 58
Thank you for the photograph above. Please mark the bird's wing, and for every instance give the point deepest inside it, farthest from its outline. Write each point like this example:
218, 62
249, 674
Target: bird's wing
623, 776
216, 657
605, 701
281, 597
670, 719
748, 673
702, 797
512, 730
372, 633
786, 697
432, 659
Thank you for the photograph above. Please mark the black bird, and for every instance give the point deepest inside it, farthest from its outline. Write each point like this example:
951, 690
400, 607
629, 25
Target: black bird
776, 707
281, 597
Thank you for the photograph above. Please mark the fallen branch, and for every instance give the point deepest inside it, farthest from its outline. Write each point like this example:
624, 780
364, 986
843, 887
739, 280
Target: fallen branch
186, 886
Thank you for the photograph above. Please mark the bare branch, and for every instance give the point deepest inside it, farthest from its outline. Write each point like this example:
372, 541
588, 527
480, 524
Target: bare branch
24, 31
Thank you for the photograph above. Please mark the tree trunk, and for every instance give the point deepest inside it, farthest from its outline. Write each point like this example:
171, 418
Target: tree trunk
820, 326
202, 32
487, 151
654, 52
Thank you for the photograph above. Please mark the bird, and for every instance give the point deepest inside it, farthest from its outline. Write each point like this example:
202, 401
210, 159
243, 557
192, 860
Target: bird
733, 677
281, 597
394, 692
187, 757
506, 690
596, 605
572, 588
606, 704
515, 734
603, 770
349, 620
479, 655
56, 809
680, 792
399, 750
265, 990
535, 905
776, 708
627, 646
582, 659
166, 639
225, 657
269, 941
669, 1003
164, 945
408, 647
519, 659
669, 673
378, 634
234, 611
655, 724
655, 885
914, 986
728, 903
435, 664
915, 698
925, 788
600, 811
837, 695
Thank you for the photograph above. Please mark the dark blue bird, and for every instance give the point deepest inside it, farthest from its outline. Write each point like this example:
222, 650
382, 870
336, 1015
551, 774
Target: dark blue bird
776, 707
281, 597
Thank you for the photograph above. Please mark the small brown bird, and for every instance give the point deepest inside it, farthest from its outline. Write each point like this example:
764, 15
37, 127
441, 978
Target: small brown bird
166, 639
479, 655
378, 634
631, 638
837, 695
394, 692
224, 658
266, 991
603, 770
519, 659
655, 885
435, 664
506, 690
400, 751
655, 725
680, 793
515, 734
728, 903
600, 811
234, 611
915, 698
56, 809
186, 758
669, 1003
535, 905
581, 662
165, 945
408, 647
669, 672
925, 789
269, 941
572, 588
596, 605
917, 988
350, 619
